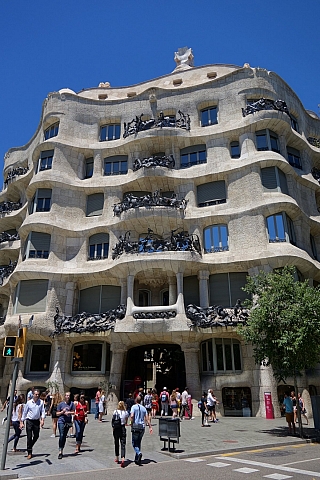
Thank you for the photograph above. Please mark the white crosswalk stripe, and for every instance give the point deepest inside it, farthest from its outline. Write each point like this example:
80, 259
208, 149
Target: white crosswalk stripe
277, 476
246, 470
194, 460
218, 464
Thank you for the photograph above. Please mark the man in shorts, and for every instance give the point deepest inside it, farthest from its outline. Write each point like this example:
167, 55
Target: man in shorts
288, 405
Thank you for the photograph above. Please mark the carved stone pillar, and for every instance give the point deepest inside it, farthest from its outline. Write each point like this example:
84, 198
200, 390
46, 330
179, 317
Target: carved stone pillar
130, 302
97, 165
247, 144
118, 352
172, 290
60, 355
70, 289
124, 291
191, 358
203, 277
180, 302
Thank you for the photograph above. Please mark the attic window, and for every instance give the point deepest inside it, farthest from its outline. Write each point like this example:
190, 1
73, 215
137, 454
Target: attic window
177, 81
211, 74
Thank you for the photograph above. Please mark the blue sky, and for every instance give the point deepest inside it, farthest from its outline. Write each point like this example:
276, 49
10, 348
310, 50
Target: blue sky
46, 46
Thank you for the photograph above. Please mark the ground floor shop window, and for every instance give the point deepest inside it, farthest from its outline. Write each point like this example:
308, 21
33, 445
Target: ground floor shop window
91, 357
237, 401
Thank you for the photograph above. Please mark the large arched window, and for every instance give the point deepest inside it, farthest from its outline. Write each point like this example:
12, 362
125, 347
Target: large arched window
221, 355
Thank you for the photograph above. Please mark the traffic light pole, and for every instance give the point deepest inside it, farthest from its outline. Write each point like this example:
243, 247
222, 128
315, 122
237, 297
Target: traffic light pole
9, 415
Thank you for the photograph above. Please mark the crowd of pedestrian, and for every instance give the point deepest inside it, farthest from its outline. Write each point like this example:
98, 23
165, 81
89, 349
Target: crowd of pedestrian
137, 411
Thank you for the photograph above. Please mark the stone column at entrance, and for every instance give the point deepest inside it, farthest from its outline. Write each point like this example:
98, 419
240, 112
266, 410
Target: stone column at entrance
203, 277
118, 353
60, 348
191, 358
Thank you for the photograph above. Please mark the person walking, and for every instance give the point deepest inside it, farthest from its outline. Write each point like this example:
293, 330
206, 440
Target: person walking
6, 404
16, 418
288, 405
102, 401
129, 404
119, 421
204, 410
139, 420
97, 400
173, 403
56, 399
302, 407
148, 403
33, 414
155, 403
184, 404
164, 399
80, 420
65, 411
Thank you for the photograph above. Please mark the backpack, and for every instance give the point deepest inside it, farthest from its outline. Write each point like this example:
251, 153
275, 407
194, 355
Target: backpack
116, 420
164, 397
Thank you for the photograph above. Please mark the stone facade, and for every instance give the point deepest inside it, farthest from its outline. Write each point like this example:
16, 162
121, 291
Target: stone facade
81, 165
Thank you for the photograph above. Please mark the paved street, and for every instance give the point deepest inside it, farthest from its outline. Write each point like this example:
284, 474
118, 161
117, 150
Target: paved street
227, 440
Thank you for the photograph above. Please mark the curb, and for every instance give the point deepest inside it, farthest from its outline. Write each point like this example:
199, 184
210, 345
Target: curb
181, 456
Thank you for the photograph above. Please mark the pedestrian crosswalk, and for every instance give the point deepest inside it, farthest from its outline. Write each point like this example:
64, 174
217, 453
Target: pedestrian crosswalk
248, 468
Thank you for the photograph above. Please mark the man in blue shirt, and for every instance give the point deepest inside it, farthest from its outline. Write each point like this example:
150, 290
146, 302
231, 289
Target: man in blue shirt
288, 405
139, 419
65, 410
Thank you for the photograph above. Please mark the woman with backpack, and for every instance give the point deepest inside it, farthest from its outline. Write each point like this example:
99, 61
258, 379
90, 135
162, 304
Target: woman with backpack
119, 421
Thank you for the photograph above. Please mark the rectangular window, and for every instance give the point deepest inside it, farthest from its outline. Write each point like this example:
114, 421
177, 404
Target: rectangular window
38, 245
52, 131
110, 132
194, 155
274, 180
40, 358
212, 193
216, 239
235, 150
87, 357
267, 140
95, 204
294, 158
31, 296
117, 165
45, 160
280, 228
41, 202
209, 116
88, 168
294, 123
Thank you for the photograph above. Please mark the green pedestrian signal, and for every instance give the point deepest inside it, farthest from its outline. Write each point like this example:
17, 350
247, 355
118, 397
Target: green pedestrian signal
9, 349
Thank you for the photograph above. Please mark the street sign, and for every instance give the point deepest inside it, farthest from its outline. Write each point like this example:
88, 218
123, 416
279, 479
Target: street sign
9, 349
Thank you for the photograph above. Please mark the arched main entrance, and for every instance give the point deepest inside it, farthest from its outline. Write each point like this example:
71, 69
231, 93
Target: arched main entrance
154, 366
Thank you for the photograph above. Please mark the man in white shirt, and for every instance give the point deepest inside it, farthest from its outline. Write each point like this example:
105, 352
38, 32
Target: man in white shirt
184, 404
34, 415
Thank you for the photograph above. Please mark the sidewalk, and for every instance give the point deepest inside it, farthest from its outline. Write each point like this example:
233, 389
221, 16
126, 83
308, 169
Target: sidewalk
229, 434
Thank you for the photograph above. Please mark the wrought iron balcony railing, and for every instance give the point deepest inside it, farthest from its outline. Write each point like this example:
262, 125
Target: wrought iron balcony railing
180, 241
7, 237
6, 271
165, 315
15, 172
265, 104
315, 142
147, 201
214, 249
138, 125
216, 316
8, 207
154, 161
88, 322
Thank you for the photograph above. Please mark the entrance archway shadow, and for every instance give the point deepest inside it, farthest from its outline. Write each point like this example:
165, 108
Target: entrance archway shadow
155, 366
